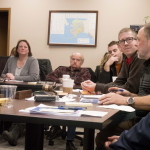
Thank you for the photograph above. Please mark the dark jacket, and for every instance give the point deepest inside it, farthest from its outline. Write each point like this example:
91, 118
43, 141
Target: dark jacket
104, 76
144, 88
137, 138
128, 78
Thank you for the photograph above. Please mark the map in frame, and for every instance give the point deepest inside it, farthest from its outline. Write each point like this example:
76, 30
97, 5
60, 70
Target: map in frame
73, 28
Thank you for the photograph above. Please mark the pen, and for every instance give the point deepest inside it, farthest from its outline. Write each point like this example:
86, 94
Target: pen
61, 107
119, 90
71, 108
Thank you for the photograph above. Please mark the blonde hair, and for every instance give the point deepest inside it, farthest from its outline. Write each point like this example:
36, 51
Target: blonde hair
104, 60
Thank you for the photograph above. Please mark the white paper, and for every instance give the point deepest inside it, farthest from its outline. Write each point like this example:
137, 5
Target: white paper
119, 107
14, 80
92, 96
30, 99
76, 90
67, 98
48, 110
26, 110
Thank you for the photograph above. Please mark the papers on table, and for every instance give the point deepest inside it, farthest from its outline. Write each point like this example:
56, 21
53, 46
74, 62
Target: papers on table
30, 99
78, 104
119, 107
54, 110
67, 98
14, 80
91, 96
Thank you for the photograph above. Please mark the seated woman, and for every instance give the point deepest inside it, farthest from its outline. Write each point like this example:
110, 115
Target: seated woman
99, 71
22, 66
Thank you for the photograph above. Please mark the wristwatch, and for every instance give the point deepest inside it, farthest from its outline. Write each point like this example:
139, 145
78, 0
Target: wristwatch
130, 101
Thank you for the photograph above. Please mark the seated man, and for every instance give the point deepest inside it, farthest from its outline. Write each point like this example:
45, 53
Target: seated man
74, 70
79, 75
128, 78
139, 101
130, 73
137, 138
111, 64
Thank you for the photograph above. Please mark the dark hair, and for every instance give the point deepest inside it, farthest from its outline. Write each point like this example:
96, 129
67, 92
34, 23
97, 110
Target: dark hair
113, 43
17, 54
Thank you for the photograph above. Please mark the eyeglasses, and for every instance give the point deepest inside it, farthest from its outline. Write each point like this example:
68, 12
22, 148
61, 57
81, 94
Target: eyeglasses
128, 40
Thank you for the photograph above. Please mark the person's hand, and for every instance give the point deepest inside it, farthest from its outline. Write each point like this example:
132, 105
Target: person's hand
111, 60
61, 80
119, 91
111, 139
113, 98
88, 86
10, 76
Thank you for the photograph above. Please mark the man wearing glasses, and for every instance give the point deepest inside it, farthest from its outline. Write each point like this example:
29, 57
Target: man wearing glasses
128, 78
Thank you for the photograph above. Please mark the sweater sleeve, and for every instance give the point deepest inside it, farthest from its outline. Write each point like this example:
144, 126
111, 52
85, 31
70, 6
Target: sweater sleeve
137, 138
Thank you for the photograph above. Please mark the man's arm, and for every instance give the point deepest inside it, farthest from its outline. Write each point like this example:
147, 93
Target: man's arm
137, 138
54, 76
82, 76
142, 102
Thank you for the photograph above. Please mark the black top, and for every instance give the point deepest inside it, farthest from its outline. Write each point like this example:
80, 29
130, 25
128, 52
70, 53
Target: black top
105, 77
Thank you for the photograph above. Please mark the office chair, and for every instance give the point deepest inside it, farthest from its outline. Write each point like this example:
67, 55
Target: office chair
56, 131
45, 68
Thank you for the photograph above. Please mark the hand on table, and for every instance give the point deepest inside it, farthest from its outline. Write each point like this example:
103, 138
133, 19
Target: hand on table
88, 86
113, 98
10, 76
120, 91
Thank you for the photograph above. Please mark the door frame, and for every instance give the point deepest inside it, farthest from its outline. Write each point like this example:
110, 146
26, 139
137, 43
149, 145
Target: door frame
8, 33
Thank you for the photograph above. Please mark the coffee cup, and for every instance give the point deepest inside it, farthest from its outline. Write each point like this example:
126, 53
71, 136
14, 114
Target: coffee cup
66, 76
68, 85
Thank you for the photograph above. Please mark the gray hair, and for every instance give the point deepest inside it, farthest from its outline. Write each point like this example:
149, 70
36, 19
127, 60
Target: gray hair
147, 30
82, 57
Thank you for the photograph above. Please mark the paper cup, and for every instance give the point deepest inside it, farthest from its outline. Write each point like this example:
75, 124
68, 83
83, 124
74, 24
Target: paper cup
66, 76
68, 85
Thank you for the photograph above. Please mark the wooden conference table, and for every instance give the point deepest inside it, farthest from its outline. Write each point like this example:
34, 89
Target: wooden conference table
35, 122
34, 87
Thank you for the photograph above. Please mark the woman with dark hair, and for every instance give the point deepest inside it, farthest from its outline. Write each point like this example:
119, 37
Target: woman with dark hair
22, 66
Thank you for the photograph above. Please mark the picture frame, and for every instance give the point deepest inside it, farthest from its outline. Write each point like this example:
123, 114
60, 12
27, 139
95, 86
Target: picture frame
72, 28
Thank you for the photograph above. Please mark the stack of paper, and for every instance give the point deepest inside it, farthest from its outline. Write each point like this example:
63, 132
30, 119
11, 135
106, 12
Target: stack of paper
119, 107
53, 110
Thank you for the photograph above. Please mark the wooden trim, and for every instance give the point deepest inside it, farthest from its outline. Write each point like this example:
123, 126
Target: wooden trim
9, 20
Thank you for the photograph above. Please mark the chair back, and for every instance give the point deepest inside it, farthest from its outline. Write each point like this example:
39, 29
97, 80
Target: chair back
3, 60
45, 68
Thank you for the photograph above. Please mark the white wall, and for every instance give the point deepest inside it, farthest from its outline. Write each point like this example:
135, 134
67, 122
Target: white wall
29, 20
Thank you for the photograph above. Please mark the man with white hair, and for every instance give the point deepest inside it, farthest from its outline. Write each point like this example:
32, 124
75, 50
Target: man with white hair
74, 70
79, 75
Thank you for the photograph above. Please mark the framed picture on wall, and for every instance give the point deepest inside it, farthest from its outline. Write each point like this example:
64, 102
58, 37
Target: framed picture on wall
72, 28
